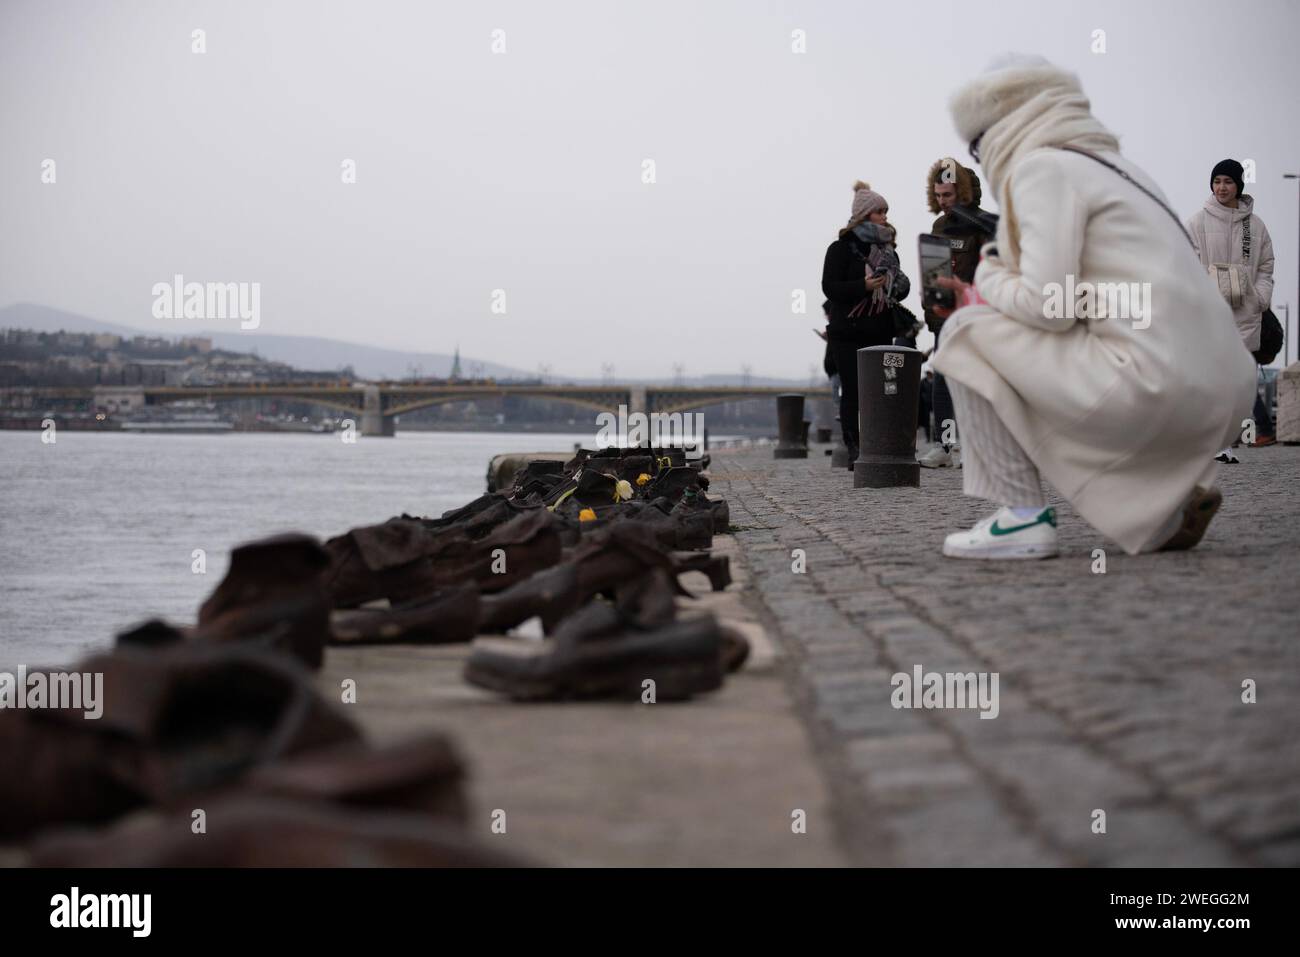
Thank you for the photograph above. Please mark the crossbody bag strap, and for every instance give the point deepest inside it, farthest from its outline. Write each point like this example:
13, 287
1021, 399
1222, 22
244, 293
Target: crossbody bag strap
1106, 163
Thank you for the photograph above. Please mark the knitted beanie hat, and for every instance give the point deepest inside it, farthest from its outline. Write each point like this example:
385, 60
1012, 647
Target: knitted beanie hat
1230, 168
865, 202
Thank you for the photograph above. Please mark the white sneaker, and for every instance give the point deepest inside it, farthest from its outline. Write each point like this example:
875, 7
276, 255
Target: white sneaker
1002, 535
937, 458
1228, 457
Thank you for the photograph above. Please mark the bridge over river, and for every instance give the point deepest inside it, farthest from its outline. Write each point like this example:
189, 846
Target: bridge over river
376, 405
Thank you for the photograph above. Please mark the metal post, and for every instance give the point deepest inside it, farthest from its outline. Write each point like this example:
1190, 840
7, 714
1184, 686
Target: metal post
789, 421
1286, 333
889, 389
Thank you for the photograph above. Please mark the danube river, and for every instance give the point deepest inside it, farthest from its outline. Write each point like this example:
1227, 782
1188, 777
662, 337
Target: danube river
98, 530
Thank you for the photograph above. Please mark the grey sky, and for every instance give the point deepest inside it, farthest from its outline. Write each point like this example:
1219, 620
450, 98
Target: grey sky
522, 171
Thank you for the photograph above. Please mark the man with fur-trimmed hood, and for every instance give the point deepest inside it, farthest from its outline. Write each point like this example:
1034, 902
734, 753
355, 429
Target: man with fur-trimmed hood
950, 184
967, 228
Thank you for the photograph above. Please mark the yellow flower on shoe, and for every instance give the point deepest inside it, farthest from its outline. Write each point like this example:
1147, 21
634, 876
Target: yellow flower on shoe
587, 515
642, 478
623, 491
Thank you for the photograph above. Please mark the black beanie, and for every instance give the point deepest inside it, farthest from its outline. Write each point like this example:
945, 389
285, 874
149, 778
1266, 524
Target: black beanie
1230, 168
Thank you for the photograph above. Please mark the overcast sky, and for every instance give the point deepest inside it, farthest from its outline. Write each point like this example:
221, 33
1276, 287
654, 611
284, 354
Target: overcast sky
523, 171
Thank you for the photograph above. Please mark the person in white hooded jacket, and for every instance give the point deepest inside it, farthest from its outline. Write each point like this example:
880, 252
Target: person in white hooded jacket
1092, 350
1230, 238
1236, 250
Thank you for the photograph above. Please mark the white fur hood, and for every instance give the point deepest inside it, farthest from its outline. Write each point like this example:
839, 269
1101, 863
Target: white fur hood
994, 94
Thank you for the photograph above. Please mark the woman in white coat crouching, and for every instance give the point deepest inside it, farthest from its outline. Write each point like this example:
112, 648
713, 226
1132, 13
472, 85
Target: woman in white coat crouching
1092, 350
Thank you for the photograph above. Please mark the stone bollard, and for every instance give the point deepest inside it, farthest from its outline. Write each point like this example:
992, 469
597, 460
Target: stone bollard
889, 389
1288, 404
789, 422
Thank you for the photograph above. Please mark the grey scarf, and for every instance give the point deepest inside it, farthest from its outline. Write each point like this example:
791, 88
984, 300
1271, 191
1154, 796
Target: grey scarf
882, 260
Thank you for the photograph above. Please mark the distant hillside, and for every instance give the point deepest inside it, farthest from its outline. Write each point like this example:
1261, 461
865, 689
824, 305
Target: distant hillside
317, 354
301, 352
26, 315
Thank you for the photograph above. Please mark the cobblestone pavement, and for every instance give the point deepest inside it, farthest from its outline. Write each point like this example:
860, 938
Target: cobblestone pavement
1119, 692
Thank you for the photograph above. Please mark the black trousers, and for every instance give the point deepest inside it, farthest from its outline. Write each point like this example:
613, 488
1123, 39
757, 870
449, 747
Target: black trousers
846, 364
1263, 420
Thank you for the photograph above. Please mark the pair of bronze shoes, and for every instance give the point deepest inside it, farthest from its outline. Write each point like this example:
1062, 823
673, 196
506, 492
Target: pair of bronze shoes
620, 552
280, 776
403, 560
271, 598
626, 647
176, 720
344, 806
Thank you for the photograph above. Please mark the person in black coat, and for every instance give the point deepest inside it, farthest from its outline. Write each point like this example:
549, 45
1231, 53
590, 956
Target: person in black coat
863, 281
828, 360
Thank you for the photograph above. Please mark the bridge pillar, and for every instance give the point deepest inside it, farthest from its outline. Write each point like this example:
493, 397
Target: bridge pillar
110, 398
373, 420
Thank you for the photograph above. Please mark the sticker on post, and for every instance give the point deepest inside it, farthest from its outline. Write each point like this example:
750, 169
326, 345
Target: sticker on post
891, 388
890, 373
894, 359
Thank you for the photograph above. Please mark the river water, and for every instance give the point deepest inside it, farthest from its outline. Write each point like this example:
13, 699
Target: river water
98, 530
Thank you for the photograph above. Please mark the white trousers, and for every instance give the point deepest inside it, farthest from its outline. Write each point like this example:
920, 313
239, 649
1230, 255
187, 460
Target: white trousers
994, 466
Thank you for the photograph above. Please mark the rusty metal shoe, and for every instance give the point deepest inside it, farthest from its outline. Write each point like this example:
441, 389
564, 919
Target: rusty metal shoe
528, 543
670, 457
716, 567
721, 515
425, 775
596, 487
735, 649
541, 474
632, 467
620, 553
694, 529
442, 618
604, 560
445, 617
273, 597
677, 661
403, 562
694, 513
381, 561
457, 516
175, 721
154, 633
551, 594
686, 530
647, 601
672, 482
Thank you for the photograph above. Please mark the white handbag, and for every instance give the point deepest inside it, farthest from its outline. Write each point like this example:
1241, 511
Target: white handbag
1232, 282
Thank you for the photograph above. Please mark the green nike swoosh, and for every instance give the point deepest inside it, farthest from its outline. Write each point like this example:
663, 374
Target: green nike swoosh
996, 529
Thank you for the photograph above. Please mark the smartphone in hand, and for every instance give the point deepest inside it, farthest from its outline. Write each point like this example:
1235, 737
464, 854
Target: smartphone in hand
936, 261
